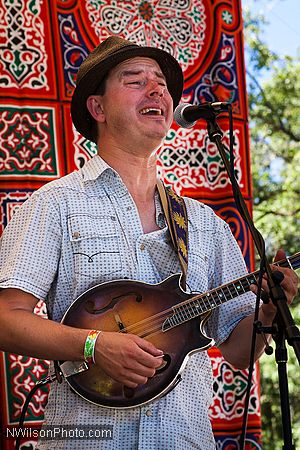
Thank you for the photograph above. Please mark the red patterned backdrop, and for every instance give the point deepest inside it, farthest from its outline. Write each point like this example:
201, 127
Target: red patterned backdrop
42, 43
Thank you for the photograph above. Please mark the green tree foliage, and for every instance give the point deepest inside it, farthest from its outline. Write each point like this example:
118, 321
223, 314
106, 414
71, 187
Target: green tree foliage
274, 111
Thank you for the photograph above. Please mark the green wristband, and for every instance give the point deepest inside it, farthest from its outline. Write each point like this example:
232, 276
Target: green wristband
89, 346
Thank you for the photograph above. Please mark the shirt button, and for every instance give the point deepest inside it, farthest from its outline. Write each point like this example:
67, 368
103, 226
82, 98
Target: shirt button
128, 208
148, 413
113, 218
76, 234
142, 247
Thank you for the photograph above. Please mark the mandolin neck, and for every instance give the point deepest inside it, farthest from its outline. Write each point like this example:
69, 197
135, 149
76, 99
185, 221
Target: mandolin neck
204, 303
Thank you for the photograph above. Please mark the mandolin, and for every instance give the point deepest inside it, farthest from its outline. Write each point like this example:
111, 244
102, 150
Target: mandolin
162, 313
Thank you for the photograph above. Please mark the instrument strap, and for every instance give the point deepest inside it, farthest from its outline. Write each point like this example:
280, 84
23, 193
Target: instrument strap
176, 217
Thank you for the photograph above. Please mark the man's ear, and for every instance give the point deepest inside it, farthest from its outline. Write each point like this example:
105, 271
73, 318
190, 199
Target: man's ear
94, 107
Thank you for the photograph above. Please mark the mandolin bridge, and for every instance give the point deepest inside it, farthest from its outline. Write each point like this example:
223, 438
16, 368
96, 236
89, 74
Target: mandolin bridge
119, 322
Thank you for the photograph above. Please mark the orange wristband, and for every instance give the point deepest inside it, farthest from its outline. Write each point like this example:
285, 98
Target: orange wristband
89, 346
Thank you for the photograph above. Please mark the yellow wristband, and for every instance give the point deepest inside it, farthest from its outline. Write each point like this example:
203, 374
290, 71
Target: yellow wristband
89, 346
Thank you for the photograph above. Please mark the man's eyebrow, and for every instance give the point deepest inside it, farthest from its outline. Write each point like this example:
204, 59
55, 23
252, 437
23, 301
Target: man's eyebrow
131, 72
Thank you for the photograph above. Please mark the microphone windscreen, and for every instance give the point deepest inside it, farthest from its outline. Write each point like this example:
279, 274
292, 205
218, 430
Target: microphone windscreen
179, 118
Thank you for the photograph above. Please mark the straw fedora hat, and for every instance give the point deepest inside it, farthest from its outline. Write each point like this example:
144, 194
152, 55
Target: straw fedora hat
101, 60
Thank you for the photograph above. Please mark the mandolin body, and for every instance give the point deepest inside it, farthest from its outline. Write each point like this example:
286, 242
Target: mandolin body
142, 309
161, 313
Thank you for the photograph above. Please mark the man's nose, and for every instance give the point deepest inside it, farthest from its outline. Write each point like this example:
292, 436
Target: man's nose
156, 89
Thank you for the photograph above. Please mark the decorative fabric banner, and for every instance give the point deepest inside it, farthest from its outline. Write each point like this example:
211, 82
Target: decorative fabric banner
42, 45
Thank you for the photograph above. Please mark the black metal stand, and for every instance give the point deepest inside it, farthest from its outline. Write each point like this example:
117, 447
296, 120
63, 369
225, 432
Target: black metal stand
283, 327
281, 356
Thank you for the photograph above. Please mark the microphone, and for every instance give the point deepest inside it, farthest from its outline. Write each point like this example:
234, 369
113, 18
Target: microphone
186, 115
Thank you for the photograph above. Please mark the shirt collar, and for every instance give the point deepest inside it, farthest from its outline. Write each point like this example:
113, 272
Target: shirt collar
94, 168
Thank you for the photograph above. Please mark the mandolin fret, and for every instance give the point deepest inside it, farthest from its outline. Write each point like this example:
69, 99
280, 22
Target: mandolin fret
232, 291
179, 317
210, 300
204, 303
228, 292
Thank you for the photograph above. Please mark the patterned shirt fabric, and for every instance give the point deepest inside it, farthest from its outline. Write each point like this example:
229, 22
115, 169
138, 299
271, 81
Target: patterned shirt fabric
84, 229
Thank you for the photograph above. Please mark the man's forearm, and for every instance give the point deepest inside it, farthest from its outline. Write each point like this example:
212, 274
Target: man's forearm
236, 349
25, 333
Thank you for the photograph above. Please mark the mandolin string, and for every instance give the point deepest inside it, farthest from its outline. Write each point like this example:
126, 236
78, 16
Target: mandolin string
159, 319
155, 322
204, 304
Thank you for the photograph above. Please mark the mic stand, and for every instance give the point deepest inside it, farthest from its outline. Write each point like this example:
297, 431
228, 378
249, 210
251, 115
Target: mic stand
284, 327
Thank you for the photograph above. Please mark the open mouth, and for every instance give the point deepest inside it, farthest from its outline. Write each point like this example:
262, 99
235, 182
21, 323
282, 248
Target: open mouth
151, 112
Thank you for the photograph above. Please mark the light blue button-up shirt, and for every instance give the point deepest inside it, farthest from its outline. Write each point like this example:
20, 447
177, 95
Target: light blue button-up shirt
84, 229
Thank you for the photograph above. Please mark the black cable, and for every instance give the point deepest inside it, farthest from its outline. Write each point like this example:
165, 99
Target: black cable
39, 384
240, 207
252, 356
244, 213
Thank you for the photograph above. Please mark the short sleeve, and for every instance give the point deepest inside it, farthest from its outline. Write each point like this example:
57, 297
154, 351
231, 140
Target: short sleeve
30, 246
229, 266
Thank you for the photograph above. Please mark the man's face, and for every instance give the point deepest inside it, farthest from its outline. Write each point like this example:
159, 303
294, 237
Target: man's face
137, 104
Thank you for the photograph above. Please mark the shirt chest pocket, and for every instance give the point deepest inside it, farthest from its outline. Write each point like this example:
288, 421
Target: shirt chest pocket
95, 245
